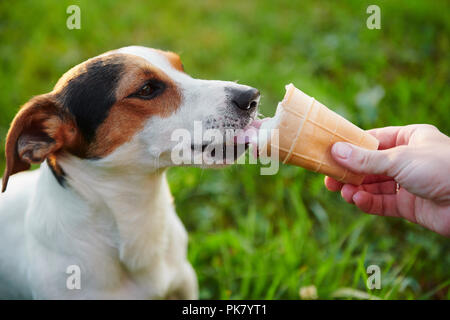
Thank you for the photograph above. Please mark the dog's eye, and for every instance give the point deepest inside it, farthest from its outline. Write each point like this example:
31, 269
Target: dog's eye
145, 91
149, 90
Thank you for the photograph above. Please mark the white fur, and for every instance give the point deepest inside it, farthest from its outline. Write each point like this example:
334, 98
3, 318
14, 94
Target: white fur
115, 219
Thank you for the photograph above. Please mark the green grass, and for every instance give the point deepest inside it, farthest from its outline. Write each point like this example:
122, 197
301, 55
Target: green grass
264, 237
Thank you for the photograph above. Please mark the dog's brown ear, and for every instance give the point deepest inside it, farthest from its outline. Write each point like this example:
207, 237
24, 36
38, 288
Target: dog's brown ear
40, 128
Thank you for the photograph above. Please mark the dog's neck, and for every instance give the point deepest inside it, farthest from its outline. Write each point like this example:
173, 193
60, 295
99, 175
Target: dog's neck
134, 201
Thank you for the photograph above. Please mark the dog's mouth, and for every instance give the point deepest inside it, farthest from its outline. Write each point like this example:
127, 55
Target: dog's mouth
236, 143
229, 151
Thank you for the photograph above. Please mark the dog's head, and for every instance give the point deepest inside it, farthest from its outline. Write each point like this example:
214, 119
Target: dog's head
121, 108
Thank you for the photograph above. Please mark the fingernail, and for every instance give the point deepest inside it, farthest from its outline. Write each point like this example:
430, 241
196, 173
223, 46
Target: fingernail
342, 150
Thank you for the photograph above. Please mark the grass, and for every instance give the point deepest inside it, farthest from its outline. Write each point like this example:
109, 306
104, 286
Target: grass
265, 237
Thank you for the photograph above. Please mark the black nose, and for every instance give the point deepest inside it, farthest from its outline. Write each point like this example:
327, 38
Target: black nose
245, 99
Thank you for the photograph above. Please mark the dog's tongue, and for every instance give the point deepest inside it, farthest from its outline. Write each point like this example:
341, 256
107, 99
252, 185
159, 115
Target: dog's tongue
258, 122
250, 135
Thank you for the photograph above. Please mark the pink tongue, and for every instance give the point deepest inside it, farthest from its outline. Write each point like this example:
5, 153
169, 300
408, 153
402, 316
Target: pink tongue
250, 135
258, 122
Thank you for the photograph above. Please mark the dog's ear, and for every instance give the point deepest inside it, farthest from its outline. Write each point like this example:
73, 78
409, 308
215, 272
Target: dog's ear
40, 128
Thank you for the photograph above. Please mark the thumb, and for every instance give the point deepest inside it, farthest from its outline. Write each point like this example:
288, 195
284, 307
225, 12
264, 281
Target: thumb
365, 161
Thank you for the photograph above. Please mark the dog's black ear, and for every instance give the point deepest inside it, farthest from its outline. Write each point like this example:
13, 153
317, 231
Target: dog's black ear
40, 128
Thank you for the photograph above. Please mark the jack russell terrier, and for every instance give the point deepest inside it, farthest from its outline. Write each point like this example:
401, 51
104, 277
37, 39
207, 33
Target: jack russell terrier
100, 200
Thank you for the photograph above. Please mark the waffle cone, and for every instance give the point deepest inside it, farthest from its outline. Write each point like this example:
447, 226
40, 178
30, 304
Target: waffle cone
307, 131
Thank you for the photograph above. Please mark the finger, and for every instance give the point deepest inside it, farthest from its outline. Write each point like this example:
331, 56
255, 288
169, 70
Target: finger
386, 136
386, 187
332, 184
371, 184
374, 178
383, 205
363, 161
390, 137
347, 192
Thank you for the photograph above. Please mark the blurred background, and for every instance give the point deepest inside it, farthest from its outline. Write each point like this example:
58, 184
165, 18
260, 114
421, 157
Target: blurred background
270, 237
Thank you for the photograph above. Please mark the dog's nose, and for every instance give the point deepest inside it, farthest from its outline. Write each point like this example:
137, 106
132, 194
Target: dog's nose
245, 99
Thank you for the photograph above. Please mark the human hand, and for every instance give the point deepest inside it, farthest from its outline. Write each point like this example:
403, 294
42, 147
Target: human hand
408, 177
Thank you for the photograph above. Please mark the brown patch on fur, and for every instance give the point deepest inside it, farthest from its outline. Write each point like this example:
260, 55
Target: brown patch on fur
65, 130
128, 115
40, 128
43, 129
173, 58
55, 166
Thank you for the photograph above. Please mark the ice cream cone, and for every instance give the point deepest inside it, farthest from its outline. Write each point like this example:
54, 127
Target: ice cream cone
307, 131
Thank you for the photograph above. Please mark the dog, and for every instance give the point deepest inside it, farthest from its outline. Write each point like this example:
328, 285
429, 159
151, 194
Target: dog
99, 207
